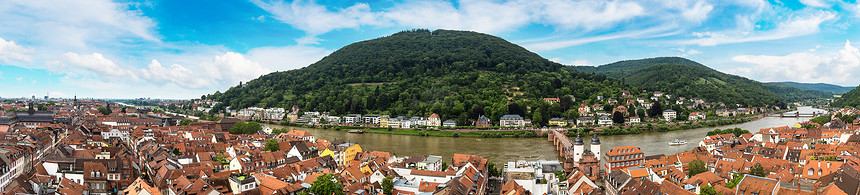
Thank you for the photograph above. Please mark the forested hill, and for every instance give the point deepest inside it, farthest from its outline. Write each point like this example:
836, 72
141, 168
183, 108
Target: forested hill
687, 78
849, 99
815, 86
456, 74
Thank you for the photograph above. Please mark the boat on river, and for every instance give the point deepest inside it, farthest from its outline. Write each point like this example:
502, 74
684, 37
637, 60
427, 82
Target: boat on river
678, 142
356, 131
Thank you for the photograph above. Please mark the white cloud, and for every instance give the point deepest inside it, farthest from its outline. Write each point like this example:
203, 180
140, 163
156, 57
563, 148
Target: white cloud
9, 51
477, 15
839, 68
75, 24
94, 64
19, 79
316, 19
815, 3
286, 58
580, 62
482, 16
794, 27
223, 70
687, 52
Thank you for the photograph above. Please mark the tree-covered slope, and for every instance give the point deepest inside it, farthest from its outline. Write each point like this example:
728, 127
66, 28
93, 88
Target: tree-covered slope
700, 81
849, 99
687, 78
455, 74
627, 68
815, 86
793, 94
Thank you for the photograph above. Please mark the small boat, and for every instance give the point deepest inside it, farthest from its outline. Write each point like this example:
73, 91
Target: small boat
678, 142
356, 131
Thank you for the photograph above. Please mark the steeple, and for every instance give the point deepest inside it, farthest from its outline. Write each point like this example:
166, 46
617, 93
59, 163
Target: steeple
578, 140
32, 110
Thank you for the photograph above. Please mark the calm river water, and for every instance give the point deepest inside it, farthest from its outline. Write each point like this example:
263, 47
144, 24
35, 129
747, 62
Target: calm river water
500, 150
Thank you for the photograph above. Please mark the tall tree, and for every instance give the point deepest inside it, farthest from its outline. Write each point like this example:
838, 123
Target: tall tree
758, 170
387, 186
565, 102
326, 184
696, 167
617, 117
656, 110
515, 108
272, 145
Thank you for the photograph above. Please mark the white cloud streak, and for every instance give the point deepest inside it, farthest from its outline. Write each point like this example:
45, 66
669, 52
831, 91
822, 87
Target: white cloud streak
10, 51
794, 27
840, 67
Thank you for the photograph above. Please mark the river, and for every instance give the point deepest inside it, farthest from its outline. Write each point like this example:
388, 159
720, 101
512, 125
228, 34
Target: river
500, 150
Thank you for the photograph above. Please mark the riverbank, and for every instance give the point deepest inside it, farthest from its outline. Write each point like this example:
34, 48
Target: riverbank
528, 133
626, 129
424, 132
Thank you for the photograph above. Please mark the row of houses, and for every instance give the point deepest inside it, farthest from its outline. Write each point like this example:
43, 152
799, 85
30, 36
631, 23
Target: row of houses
433, 120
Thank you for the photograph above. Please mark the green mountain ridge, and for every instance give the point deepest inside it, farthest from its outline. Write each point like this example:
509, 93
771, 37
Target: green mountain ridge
849, 99
456, 74
688, 78
814, 86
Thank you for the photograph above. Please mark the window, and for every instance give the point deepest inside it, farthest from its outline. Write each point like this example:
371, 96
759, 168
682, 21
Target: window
810, 171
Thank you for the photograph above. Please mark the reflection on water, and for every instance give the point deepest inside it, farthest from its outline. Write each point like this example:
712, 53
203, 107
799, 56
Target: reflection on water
500, 150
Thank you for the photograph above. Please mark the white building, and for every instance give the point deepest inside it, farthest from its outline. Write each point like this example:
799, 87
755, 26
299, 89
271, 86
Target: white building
352, 118
604, 120
669, 115
274, 113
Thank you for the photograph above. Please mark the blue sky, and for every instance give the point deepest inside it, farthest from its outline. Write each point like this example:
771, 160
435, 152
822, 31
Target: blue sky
183, 49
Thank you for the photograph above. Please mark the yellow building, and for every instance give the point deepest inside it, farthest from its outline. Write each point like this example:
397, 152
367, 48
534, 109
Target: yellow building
352, 150
327, 152
557, 122
343, 154
383, 121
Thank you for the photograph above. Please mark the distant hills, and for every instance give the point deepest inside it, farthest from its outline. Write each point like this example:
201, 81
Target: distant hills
687, 78
456, 74
814, 86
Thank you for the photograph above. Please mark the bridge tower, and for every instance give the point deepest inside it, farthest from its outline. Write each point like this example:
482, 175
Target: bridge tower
595, 146
578, 148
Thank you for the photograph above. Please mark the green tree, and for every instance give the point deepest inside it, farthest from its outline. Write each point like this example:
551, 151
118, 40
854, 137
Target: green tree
185, 122
104, 111
656, 110
272, 145
821, 120
736, 178
707, 190
326, 184
387, 186
640, 113
696, 167
617, 117
176, 152
758, 170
